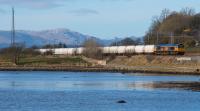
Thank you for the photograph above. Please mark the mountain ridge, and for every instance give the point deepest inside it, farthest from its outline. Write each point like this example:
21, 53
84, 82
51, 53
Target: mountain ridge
50, 36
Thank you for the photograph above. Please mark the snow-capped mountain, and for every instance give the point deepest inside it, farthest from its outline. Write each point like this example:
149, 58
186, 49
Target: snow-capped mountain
41, 38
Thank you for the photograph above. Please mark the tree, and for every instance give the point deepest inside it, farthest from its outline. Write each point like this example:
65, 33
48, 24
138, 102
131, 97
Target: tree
175, 23
195, 27
92, 49
183, 26
13, 52
187, 11
30, 52
51, 46
127, 41
164, 14
48, 46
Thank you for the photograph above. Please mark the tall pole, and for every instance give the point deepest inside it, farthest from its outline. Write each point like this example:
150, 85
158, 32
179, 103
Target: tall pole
15, 56
13, 28
172, 38
148, 39
157, 34
116, 41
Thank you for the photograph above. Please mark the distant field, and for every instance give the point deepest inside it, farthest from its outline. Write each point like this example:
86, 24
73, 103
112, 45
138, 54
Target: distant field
46, 60
51, 61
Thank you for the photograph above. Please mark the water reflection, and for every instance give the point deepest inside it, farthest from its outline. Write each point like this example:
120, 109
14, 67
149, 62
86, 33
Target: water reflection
179, 85
103, 85
95, 81
61, 91
71, 85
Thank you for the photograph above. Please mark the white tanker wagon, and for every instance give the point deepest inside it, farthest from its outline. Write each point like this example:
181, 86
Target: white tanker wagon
109, 50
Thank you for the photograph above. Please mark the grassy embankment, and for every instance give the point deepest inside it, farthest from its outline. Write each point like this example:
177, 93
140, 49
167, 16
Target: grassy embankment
148, 63
45, 61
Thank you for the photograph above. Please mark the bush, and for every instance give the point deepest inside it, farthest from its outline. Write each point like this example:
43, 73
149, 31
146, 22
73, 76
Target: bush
13, 53
92, 49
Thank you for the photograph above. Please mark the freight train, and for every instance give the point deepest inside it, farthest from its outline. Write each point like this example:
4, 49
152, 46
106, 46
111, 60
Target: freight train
161, 49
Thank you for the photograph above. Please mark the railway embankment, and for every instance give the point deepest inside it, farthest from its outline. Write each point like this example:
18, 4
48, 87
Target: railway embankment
151, 63
135, 64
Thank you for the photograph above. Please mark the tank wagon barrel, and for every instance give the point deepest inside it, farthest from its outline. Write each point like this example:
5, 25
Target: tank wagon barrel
170, 49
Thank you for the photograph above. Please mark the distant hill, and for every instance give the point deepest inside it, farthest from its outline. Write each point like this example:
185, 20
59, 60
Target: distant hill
41, 38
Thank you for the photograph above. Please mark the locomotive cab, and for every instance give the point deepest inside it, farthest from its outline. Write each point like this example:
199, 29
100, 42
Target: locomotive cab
170, 49
181, 49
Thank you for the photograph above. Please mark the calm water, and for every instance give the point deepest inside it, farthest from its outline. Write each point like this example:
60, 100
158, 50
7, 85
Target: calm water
69, 91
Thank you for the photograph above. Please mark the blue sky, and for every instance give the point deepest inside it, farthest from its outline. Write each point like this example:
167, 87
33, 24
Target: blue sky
101, 18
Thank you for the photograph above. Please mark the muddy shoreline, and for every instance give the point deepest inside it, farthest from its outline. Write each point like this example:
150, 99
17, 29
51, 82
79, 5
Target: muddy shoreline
94, 69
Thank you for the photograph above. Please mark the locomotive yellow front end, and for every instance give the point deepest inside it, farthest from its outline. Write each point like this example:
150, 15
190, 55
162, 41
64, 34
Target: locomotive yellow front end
170, 49
181, 49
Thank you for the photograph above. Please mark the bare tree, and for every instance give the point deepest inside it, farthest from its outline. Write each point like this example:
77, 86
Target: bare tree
176, 23
13, 53
92, 49
126, 41
187, 11
164, 14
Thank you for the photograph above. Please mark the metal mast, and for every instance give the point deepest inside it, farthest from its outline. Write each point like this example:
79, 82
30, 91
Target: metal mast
172, 38
13, 28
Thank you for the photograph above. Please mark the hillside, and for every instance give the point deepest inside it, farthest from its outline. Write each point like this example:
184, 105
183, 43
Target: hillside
175, 27
40, 38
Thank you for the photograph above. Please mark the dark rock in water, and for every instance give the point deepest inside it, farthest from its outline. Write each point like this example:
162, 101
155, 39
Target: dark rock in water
121, 101
123, 72
65, 77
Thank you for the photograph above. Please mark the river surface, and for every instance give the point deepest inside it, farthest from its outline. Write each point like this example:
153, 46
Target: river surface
78, 91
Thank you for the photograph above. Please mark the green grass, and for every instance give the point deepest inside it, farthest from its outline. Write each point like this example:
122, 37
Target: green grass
42, 60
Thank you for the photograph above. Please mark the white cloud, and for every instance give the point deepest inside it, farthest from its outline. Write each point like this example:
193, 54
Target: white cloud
82, 12
43, 3
32, 3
